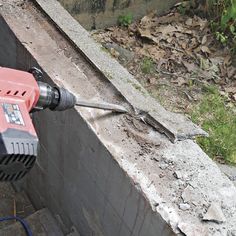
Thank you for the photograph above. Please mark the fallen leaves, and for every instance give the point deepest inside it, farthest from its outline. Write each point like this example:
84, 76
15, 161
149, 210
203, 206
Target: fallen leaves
182, 49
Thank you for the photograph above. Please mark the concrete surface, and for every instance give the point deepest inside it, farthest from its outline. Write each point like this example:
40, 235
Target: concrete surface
102, 13
41, 223
110, 174
229, 171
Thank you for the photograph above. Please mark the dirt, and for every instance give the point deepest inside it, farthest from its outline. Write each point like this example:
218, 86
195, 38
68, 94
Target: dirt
181, 56
139, 131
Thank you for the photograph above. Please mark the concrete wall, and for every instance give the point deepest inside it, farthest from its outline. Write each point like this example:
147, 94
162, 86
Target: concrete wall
102, 13
75, 176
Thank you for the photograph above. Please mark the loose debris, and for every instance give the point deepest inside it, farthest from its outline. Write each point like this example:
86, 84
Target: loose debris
184, 54
178, 175
215, 214
187, 194
184, 206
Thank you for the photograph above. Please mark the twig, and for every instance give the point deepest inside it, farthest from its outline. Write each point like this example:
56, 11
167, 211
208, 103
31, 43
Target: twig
173, 48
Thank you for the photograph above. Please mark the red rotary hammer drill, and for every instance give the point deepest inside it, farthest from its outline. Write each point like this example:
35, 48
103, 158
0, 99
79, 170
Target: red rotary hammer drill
20, 94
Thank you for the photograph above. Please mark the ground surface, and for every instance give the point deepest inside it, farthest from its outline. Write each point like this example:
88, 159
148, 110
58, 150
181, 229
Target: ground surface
178, 60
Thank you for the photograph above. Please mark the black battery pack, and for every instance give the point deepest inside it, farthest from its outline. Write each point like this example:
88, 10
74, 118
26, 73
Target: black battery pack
18, 151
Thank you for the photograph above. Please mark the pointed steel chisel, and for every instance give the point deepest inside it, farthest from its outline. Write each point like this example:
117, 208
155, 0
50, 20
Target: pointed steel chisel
101, 105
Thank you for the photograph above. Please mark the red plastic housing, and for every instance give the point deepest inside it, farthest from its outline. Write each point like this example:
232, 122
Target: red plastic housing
19, 93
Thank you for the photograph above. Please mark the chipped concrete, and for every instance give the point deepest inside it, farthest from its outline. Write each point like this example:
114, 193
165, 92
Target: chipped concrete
105, 174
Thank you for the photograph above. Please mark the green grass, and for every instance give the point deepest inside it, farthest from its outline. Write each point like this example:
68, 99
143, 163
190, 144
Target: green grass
147, 65
125, 20
220, 122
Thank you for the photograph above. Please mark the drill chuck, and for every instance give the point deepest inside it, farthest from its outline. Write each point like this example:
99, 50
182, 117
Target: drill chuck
48, 96
57, 99
66, 100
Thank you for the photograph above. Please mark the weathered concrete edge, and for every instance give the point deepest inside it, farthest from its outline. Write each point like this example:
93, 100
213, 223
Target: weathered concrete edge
175, 126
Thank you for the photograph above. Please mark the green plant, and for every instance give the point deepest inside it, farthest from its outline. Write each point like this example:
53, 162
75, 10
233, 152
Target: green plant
125, 20
226, 24
185, 6
222, 15
147, 65
221, 37
220, 122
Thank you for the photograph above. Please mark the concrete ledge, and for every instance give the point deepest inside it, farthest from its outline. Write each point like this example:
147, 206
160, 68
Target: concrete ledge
175, 126
105, 174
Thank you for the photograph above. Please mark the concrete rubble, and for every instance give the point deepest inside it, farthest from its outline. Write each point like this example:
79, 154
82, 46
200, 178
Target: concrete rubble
214, 213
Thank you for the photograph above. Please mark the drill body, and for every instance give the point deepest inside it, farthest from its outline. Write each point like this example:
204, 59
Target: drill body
20, 94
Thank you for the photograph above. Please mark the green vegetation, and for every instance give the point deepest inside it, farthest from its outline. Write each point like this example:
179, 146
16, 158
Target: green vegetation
224, 12
147, 65
220, 122
221, 14
125, 20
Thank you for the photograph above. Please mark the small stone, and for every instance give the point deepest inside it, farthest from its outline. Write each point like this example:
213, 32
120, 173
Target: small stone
187, 194
215, 214
184, 206
163, 166
177, 174
161, 175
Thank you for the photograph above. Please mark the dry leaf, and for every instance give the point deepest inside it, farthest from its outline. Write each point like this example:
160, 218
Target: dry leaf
189, 66
205, 49
189, 21
168, 29
152, 81
204, 39
145, 33
156, 53
180, 81
231, 71
231, 90
227, 60
146, 20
